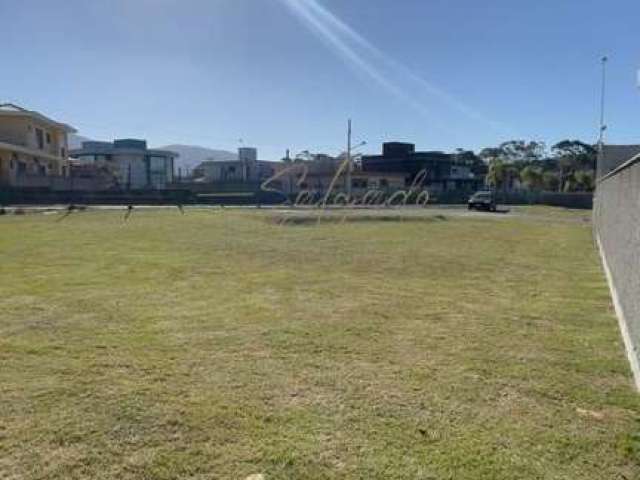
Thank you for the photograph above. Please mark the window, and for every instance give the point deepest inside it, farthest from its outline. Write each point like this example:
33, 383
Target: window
384, 182
48, 138
157, 171
22, 168
63, 152
40, 138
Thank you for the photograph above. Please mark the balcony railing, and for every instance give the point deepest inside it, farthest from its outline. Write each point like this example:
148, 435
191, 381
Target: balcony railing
12, 141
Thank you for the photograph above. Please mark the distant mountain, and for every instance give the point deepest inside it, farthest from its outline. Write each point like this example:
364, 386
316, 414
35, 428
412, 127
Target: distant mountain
192, 155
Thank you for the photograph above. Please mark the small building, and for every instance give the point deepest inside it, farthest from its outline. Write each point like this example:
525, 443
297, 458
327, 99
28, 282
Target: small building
134, 166
33, 148
247, 169
318, 174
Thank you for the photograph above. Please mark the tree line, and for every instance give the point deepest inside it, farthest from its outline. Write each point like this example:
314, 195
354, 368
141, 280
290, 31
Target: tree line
568, 166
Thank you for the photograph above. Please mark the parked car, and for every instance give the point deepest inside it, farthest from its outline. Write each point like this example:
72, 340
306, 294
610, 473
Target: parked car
482, 200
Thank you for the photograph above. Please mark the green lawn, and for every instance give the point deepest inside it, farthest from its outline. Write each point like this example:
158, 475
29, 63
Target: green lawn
220, 344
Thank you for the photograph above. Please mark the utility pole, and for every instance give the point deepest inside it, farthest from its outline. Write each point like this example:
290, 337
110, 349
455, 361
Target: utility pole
603, 92
603, 126
349, 166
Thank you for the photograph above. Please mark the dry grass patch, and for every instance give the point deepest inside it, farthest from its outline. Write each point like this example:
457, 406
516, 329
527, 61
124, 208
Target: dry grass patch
219, 344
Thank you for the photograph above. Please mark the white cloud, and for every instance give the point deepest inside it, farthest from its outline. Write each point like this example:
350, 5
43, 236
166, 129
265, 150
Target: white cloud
359, 53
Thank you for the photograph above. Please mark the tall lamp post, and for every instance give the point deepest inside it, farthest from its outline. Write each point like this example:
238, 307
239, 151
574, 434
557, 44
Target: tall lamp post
603, 126
349, 159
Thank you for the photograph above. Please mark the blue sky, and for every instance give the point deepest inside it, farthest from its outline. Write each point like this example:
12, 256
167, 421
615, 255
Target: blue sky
288, 73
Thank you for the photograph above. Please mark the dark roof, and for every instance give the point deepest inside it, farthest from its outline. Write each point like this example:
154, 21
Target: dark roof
615, 155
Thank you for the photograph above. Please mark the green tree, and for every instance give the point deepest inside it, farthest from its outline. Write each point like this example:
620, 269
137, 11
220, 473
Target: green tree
550, 181
580, 181
573, 156
497, 174
577, 153
532, 177
521, 151
304, 156
490, 154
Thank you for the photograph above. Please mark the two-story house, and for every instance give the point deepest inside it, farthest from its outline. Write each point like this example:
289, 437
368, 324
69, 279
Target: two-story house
32, 146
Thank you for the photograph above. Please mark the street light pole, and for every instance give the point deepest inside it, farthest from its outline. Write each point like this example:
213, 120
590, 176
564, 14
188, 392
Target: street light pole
349, 166
603, 92
603, 127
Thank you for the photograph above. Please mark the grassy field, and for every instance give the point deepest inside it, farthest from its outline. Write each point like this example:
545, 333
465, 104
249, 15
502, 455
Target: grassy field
220, 343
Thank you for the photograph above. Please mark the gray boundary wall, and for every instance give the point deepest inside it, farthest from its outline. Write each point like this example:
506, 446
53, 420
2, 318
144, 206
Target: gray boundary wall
616, 220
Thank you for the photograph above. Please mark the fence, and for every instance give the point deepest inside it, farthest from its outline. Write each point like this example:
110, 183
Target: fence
58, 183
47, 196
616, 219
582, 200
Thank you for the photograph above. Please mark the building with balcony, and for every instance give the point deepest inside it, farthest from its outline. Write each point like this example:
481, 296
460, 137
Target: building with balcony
132, 164
33, 148
442, 171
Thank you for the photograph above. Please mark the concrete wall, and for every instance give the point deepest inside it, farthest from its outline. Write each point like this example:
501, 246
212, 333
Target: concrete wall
576, 200
47, 196
58, 183
616, 218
